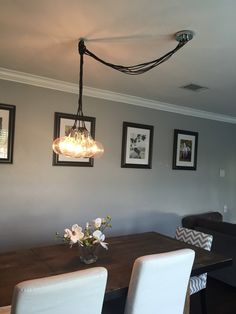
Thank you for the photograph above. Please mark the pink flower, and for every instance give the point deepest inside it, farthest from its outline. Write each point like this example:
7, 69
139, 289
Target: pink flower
75, 234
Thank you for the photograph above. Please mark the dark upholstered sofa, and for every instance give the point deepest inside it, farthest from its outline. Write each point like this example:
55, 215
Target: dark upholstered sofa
224, 240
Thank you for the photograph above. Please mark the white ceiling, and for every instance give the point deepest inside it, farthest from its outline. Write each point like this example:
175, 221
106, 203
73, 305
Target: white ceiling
40, 38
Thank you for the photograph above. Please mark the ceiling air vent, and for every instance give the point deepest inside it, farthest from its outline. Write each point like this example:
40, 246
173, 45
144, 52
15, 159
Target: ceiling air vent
194, 87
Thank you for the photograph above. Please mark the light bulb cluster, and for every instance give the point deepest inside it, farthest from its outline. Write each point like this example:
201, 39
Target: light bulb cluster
78, 144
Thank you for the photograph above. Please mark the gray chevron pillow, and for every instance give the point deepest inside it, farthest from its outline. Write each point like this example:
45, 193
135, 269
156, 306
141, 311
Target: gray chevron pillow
202, 240
197, 238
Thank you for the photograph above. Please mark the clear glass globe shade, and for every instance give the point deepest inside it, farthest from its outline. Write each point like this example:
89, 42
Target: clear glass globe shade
78, 145
56, 145
98, 150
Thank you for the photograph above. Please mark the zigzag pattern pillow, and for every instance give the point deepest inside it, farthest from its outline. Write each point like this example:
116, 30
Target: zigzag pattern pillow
197, 283
201, 240
197, 238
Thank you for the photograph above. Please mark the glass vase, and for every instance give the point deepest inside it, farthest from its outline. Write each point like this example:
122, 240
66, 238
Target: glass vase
88, 254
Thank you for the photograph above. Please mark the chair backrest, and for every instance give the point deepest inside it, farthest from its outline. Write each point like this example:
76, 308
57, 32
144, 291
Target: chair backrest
79, 292
197, 238
159, 283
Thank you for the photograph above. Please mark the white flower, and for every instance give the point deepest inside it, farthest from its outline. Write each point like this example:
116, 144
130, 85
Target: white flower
75, 234
97, 223
99, 238
91, 235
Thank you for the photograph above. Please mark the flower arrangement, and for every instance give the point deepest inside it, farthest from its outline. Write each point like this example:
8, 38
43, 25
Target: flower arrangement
90, 236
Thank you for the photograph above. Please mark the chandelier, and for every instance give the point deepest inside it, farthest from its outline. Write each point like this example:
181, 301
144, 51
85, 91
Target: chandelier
79, 143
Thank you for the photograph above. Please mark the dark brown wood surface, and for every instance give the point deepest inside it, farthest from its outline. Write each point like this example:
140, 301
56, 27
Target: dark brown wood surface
118, 259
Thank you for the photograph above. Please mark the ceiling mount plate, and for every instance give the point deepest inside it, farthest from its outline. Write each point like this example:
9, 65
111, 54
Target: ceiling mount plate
185, 35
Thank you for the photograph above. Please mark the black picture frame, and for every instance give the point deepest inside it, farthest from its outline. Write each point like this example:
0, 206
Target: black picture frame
7, 131
62, 123
185, 150
137, 143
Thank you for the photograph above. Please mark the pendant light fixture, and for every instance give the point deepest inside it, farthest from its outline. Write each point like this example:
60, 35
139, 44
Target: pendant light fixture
79, 143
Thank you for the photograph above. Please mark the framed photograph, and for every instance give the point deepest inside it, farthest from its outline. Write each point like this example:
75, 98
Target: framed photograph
185, 150
63, 122
136, 145
7, 127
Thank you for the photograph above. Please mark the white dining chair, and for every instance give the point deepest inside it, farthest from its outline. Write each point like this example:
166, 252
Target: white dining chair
159, 283
204, 241
79, 292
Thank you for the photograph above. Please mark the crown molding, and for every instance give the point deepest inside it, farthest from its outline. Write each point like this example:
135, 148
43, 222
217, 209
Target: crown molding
44, 82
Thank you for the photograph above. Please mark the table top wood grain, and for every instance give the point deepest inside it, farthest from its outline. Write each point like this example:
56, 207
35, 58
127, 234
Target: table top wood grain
56, 259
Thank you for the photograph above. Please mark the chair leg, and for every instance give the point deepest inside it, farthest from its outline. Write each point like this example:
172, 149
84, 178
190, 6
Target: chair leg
203, 301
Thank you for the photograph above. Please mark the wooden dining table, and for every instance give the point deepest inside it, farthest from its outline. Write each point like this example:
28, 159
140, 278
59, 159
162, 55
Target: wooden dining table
56, 259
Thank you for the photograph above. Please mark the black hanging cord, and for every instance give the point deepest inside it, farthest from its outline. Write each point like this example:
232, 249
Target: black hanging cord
131, 70
138, 68
79, 114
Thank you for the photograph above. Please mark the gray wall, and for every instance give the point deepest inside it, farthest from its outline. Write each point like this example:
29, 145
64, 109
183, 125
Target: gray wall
38, 199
